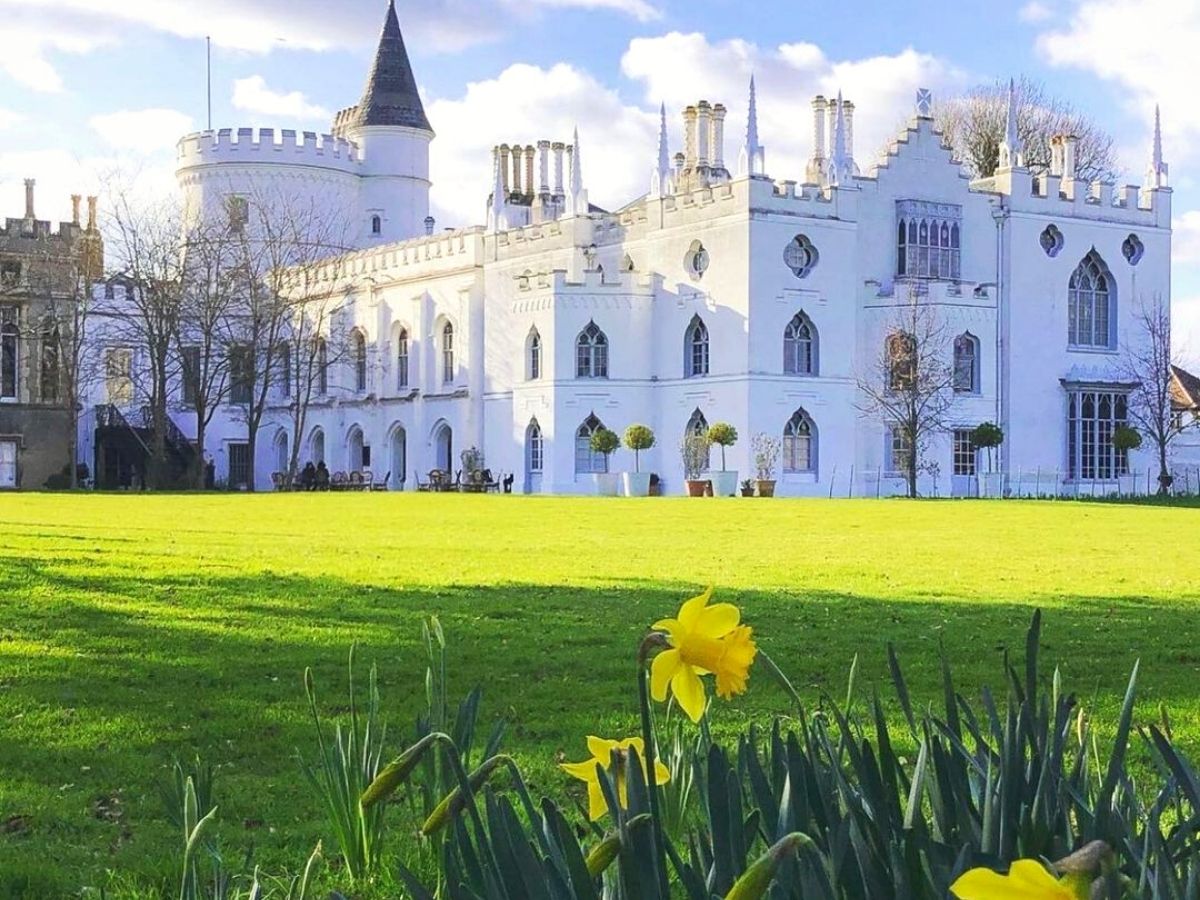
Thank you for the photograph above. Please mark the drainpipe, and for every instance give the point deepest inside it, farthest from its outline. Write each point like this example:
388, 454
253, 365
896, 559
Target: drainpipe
1001, 217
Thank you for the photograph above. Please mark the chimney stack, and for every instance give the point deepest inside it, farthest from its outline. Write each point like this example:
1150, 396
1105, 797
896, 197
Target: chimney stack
1057, 155
1070, 143
689, 132
91, 215
544, 166
29, 183
819, 106
75, 201
504, 169
703, 132
516, 170
529, 154
718, 136
558, 147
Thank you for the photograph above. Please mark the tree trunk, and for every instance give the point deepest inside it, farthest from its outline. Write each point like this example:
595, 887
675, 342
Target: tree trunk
201, 428
912, 474
1164, 477
251, 452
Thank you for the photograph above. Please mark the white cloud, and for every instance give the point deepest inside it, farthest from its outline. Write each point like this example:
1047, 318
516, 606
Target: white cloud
638, 9
1185, 330
8, 118
142, 130
683, 68
1146, 48
526, 103
1185, 241
253, 95
1035, 11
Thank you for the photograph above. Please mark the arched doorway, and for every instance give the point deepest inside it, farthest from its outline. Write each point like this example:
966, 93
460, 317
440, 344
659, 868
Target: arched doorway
354, 449
282, 456
316, 446
399, 457
443, 448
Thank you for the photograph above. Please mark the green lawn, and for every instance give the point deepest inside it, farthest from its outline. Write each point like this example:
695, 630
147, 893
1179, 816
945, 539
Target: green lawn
137, 629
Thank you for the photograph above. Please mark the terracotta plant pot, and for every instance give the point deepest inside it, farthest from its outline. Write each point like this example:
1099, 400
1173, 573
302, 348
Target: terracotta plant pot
698, 488
766, 488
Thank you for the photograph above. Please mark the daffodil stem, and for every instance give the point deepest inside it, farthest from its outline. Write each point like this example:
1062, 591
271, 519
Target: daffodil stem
656, 830
782, 680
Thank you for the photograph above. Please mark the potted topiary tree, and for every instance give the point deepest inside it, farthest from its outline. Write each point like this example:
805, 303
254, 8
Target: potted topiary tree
988, 436
694, 451
637, 439
1124, 439
606, 443
724, 482
748, 487
766, 457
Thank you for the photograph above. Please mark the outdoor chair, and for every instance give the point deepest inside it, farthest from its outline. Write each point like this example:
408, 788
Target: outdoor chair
277, 481
355, 482
338, 482
383, 485
422, 486
490, 484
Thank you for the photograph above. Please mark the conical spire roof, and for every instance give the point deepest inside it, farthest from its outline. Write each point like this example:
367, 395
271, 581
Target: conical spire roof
391, 96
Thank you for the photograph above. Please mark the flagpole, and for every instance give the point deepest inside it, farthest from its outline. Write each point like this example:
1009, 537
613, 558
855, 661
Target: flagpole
208, 66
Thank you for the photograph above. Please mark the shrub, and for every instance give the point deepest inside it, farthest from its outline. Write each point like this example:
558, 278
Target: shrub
637, 439
766, 455
693, 450
723, 435
1126, 438
606, 443
987, 436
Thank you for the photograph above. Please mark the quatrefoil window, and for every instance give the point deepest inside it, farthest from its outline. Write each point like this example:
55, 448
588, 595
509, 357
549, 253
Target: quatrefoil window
1052, 241
1132, 249
800, 256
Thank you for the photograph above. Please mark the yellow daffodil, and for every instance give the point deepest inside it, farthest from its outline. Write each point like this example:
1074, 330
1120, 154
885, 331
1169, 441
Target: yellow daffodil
602, 754
1026, 880
705, 640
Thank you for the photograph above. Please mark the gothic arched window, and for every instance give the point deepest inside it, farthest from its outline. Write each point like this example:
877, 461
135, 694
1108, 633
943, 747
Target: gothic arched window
966, 364
447, 353
358, 347
800, 346
402, 359
695, 348
799, 443
534, 448
533, 355
591, 353
586, 459
8, 352
1091, 305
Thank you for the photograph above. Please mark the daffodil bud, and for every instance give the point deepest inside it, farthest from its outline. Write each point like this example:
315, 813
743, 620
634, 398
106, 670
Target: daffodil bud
602, 855
456, 801
757, 879
396, 772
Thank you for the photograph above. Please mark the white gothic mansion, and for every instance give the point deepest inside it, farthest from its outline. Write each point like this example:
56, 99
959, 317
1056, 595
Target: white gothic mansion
727, 293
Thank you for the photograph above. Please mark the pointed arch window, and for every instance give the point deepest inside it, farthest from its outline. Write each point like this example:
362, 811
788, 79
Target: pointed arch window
534, 447
322, 367
1091, 305
8, 352
901, 352
586, 459
697, 426
533, 355
800, 346
800, 443
966, 364
591, 353
927, 239
376, 225
358, 346
695, 348
448, 353
402, 359
51, 378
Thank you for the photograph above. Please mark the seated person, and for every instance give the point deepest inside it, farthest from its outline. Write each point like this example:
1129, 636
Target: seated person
308, 476
322, 476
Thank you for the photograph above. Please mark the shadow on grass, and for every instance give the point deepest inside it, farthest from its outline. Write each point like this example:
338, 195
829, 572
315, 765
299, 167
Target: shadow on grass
106, 679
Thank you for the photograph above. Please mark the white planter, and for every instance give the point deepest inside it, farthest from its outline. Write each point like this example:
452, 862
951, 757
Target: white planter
635, 484
608, 484
991, 484
725, 484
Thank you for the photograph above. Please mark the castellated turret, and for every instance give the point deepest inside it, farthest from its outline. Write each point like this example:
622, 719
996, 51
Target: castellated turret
372, 168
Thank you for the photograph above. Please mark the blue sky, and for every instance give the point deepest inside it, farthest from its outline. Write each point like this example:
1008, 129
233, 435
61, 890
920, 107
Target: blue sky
92, 86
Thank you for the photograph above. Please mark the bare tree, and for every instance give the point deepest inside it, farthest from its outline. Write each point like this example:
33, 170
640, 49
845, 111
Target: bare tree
973, 125
284, 254
1148, 362
144, 239
910, 385
209, 301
